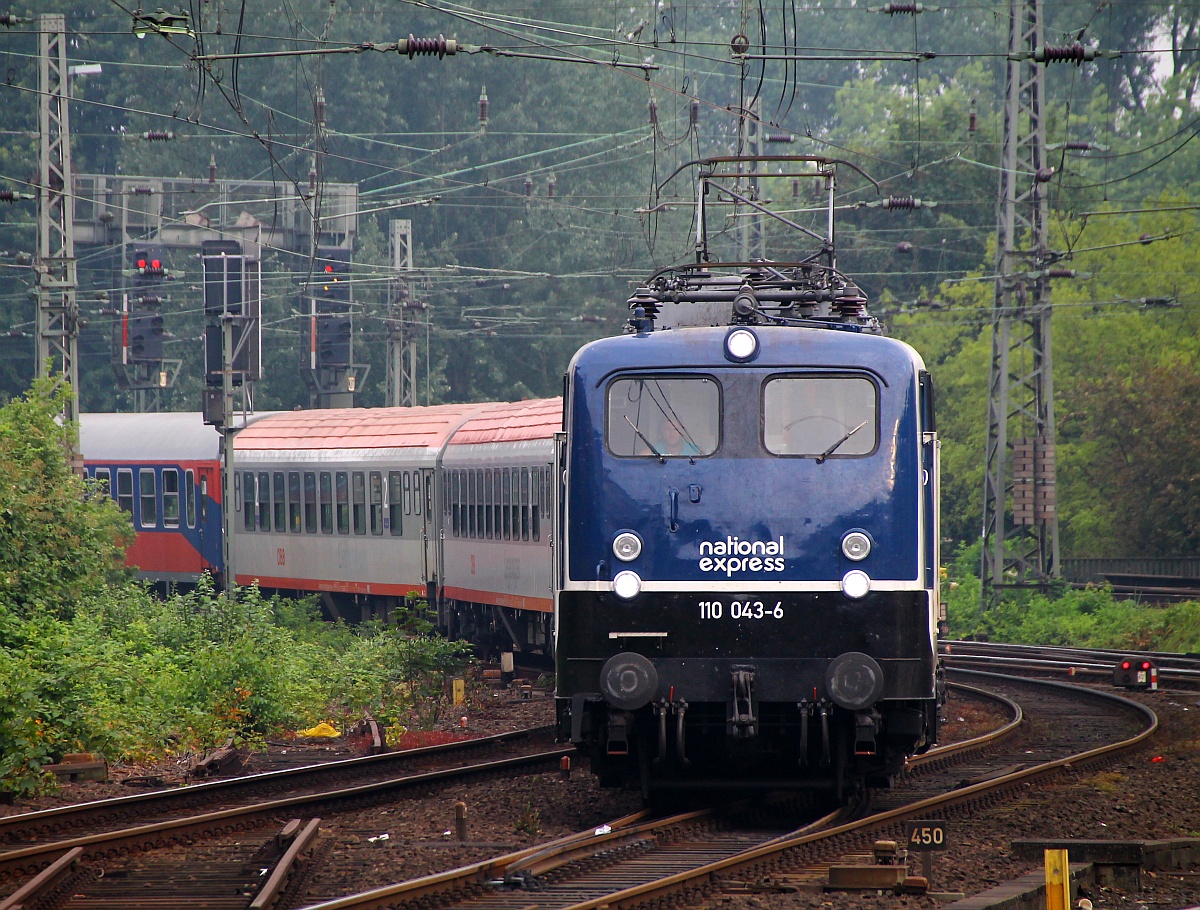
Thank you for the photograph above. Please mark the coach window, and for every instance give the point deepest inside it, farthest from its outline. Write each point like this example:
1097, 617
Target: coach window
343, 502
376, 485
310, 502
470, 480
480, 502
147, 498
103, 477
125, 489
820, 417
249, 502
326, 502
395, 509
656, 416
497, 503
295, 523
489, 502
406, 483
189, 499
170, 482
279, 502
418, 494
264, 501
535, 489
359, 500
452, 500
506, 505
524, 503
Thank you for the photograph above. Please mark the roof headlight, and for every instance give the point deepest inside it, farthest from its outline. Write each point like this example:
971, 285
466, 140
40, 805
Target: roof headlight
856, 545
627, 585
627, 546
741, 345
856, 583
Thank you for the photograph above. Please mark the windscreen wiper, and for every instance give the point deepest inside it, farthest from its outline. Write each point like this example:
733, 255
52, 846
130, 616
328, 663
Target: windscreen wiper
833, 448
642, 437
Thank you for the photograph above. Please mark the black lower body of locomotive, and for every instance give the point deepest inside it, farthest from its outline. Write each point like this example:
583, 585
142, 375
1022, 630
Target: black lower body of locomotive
677, 691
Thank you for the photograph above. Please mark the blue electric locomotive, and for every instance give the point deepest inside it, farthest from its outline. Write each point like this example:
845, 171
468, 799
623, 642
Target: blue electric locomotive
749, 576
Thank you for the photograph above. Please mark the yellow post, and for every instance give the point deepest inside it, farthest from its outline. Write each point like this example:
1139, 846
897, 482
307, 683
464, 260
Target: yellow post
1058, 880
460, 691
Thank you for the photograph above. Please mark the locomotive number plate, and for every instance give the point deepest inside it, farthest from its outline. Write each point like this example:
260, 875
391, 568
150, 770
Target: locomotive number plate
741, 609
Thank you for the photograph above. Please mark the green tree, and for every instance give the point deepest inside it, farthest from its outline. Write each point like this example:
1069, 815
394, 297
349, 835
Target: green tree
59, 537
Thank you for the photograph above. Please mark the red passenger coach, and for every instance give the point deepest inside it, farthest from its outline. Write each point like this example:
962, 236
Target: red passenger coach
164, 470
498, 499
339, 502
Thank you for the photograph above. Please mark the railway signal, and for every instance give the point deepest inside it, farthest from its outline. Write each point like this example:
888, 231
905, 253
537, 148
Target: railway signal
1136, 673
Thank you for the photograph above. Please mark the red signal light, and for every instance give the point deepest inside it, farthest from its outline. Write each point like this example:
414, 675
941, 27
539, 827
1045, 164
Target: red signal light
328, 269
155, 264
1125, 665
1145, 665
141, 263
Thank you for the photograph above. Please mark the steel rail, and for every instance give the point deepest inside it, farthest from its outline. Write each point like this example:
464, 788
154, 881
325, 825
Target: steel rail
31, 858
168, 800
708, 875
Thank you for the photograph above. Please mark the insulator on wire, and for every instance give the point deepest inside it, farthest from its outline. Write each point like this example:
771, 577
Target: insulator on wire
441, 46
158, 135
653, 113
320, 108
528, 186
905, 9
483, 106
905, 202
1064, 53
694, 113
972, 119
550, 185
7, 195
780, 137
1044, 174
143, 191
212, 168
312, 178
795, 188
904, 246
1060, 273
8, 20
1146, 239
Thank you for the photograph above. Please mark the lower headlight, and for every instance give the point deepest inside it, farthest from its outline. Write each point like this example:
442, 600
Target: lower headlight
627, 585
856, 583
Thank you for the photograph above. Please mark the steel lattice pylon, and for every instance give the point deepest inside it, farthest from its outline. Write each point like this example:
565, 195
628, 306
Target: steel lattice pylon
402, 328
58, 312
1020, 521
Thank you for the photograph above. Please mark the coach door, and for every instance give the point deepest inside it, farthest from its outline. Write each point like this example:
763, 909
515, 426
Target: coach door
429, 539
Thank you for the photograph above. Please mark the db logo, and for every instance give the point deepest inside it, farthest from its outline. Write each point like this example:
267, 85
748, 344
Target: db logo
280, 557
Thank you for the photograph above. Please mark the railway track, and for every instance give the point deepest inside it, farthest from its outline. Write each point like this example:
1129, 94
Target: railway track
1085, 664
51, 863
684, 858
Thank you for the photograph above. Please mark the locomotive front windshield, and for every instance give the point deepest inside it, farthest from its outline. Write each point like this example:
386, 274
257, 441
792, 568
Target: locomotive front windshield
820, 416
659, 417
